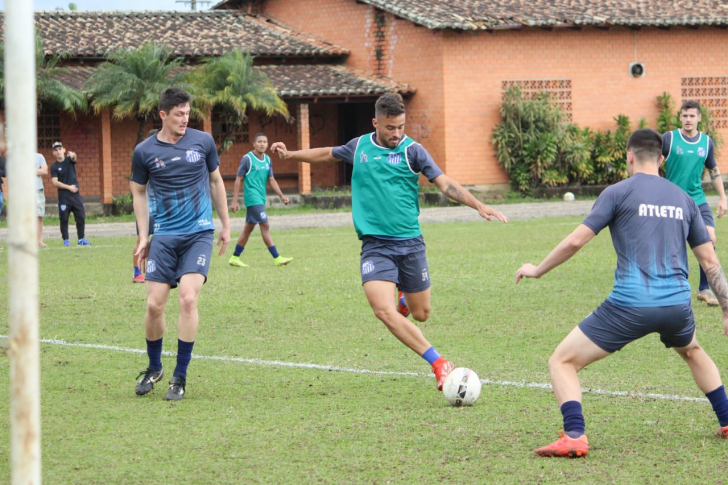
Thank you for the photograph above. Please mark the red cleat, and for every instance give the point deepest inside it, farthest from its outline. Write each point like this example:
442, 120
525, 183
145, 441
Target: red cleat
566, 447
723, 432
138, 279
441, 368
402, 309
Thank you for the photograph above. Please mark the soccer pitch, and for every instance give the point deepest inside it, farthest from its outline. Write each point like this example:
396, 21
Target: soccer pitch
295, 381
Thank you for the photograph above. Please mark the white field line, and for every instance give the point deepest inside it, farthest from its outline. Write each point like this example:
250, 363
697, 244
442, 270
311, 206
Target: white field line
522, 384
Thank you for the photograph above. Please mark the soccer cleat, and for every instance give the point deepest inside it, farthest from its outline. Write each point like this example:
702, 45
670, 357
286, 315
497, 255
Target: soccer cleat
138, 279
566, 447
176, 389
723, 432
235, 261
146, 384
402, 308
66, 243
83, 242
281, 261
708, 297
441, 368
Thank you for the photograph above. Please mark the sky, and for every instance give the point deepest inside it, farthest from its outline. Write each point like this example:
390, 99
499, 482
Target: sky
115, 5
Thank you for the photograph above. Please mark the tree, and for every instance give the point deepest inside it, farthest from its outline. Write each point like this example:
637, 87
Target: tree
49, 88
230, 84
130, 81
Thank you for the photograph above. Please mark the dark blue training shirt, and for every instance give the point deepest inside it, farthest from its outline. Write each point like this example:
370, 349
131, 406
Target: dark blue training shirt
649, 218
418, 159
179, 175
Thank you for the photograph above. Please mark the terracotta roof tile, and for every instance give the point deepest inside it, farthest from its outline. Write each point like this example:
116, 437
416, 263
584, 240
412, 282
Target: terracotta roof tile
90, 34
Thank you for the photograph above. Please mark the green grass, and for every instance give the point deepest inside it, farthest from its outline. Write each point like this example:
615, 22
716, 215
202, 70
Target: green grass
268, 423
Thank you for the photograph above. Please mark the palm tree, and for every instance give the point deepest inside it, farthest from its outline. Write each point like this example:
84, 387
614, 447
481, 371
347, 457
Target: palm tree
230, 84
131, 80
49, 89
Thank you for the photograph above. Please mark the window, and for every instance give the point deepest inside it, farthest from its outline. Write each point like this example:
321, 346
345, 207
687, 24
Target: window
559, 90
709, 91
49, 127
219, 128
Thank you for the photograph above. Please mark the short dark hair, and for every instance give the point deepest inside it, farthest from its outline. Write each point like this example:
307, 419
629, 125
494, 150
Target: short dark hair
690, 105
389, 105
173, 97
258, 135
646, 144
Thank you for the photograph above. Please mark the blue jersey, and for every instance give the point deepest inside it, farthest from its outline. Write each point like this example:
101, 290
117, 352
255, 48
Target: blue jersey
649, 219
179, 176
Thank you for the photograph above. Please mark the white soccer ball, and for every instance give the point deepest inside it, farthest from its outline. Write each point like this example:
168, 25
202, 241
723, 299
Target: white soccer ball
568, 197
462, 387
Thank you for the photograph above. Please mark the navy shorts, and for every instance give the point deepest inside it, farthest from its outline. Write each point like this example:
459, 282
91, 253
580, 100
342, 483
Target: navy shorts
707, 215
255, 214
171, 257
151, 226
612, 326
402, 262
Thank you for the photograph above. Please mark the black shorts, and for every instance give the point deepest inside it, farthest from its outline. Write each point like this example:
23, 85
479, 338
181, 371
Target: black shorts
171, 257
255, 214
707, 214
401, 262
612, 326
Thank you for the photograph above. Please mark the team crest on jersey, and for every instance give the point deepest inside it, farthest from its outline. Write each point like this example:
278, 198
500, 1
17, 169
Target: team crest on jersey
679, 151
394, 158
701, 151
193, 156
363, 158
367, 267
158, 163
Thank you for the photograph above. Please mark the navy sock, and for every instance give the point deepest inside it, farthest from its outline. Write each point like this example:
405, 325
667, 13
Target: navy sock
154, 351
137, 271
238, 250
573, 419
431, 355
704, 285
184, 354
273, 251
719, 401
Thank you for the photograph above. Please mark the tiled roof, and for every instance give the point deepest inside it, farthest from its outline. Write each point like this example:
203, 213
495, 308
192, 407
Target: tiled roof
90, 34
500, 14
296, 81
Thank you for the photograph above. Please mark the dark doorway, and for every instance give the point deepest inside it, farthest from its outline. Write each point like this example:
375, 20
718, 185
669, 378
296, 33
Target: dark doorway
355, 119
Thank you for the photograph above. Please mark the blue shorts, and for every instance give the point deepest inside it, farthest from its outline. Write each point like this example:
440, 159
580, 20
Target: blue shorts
171, 257
612, 326
403, 262
707, 214
255, 214
151, 226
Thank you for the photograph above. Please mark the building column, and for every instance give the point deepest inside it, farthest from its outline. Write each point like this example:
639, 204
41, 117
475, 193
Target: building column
107, 174
304, 143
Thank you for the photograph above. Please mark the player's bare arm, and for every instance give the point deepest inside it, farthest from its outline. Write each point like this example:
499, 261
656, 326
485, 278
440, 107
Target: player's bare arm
717, 180
312, 155
276, 188
716, 277
456, 192
560, 254
141, 212
73, 156
60, 185
234, 206
219, 200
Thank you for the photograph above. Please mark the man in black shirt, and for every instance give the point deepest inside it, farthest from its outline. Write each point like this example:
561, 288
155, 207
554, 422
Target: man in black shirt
63, 176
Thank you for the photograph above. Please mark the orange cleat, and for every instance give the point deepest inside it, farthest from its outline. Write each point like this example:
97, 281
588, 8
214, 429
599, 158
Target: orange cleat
566, 447
441, 368
138, 278
723, 432
402, 309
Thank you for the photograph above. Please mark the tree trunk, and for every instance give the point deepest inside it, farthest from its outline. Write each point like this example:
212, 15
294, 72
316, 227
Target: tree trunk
141, 135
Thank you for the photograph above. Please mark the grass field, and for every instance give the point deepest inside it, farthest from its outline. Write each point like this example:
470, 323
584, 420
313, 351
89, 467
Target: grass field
272, 398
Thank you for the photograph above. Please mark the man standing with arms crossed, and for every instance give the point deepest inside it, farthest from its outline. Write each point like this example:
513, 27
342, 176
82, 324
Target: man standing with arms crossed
687, 151
649, 220
182, 166
384, 191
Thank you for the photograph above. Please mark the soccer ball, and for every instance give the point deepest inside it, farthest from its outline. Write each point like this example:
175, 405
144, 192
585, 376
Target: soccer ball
568, 197
462, 387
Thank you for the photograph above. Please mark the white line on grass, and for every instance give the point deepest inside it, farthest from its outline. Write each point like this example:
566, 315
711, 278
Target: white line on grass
522, 384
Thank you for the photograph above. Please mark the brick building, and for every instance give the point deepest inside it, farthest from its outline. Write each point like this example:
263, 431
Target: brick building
460, 54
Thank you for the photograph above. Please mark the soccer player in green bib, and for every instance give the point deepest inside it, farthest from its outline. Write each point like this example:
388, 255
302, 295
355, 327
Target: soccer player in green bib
255, 171
687, 151
384, 187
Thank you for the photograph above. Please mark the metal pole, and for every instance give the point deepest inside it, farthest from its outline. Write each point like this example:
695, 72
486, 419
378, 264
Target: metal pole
20, 109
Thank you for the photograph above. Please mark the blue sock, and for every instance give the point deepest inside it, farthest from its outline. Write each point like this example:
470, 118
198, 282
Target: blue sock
573, 419
704, 285
137, 271
401, 300
184, 354
719, 401
154, 351
238, 250
273, 251
431, 355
